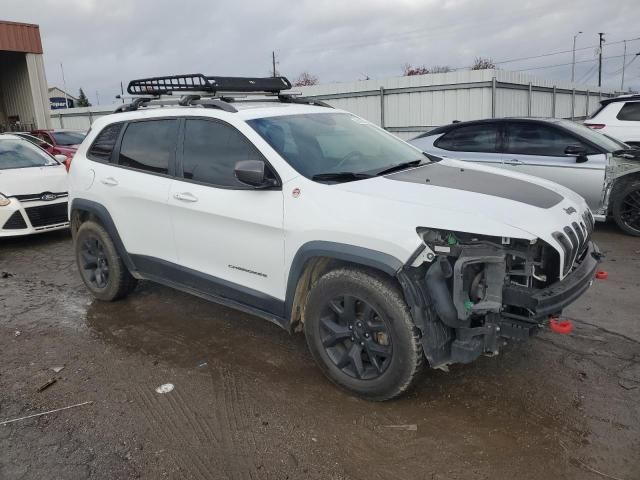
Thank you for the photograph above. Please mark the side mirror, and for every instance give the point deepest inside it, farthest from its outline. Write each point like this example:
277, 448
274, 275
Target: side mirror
252, 172
577, 151
60, 158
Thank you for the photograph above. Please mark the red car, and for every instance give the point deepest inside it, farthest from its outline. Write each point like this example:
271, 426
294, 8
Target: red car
65, 142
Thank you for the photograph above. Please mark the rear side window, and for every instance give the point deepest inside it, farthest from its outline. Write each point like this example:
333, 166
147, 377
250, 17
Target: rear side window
538, 139
629, 112
149, 145
211, 150
104, 143
473, 138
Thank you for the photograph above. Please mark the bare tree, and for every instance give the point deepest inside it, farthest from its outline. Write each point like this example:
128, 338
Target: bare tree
305, 79
483, 63
409, 70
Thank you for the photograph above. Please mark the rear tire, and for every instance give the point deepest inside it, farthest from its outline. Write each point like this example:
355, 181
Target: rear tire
360, 333
626, 207
101, 268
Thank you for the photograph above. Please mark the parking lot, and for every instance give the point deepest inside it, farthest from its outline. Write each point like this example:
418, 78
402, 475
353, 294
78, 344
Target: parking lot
249, 403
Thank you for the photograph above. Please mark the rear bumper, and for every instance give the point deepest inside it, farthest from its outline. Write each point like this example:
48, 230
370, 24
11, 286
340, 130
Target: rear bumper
551, 300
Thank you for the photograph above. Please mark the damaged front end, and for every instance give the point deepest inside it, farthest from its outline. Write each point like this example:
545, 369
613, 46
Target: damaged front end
469, 293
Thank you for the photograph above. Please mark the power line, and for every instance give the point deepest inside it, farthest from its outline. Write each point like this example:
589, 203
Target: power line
563, 64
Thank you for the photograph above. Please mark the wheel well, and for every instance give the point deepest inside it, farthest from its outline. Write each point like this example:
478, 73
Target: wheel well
78, 217
620, 184
316, 267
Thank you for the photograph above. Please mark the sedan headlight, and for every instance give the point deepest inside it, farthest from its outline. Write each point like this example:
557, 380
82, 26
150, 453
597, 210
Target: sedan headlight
4, 201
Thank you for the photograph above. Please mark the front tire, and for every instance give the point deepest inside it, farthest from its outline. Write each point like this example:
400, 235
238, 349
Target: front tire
360, 333
626, 207
101, 268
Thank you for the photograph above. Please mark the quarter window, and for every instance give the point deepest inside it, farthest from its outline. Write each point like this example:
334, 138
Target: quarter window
149, 145
473, 138
105, 142
629, 112
537, 139
211, 150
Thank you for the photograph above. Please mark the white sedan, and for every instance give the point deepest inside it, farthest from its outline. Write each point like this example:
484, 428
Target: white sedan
33, 189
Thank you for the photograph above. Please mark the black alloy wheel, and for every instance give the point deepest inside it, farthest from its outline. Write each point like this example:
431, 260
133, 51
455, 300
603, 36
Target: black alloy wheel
630, 210
95, 262
355, 337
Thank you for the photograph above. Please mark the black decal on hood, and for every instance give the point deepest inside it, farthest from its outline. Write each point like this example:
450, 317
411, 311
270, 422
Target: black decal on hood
470, 180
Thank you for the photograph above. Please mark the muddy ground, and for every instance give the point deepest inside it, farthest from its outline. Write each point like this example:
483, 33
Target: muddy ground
249, 403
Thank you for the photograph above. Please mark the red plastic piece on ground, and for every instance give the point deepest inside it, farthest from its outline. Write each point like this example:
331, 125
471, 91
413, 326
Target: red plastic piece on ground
561, 326
602, 275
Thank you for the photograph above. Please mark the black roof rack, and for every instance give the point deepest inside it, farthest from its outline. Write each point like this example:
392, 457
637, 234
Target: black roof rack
621, 98
197, 82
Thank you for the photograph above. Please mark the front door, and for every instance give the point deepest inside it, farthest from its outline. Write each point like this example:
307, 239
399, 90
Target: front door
228, 235
539, 150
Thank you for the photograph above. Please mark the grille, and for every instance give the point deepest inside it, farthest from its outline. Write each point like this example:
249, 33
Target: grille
31, 197
47, 214
15, 222
574, 239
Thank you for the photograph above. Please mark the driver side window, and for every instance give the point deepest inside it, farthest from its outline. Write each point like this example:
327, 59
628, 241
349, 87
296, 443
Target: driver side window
538, 139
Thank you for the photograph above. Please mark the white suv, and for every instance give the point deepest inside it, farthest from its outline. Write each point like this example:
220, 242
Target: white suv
618, 117
321, 222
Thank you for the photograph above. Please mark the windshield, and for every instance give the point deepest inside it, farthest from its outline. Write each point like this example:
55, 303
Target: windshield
22, 154
329, 143
606, 143
68, 138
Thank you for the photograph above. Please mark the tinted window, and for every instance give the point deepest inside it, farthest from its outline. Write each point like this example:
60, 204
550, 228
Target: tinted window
474, 138
105, 142
22, 154
149, 145
630, 112
538, 139
68, 138
211, 150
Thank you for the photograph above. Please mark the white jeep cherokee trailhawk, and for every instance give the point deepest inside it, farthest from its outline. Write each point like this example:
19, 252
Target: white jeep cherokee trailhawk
321, 222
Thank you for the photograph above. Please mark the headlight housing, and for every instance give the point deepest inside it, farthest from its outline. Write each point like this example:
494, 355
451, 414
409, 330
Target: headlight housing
4, 201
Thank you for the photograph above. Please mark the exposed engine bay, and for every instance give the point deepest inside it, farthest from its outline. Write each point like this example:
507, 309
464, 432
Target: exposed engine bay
470, 294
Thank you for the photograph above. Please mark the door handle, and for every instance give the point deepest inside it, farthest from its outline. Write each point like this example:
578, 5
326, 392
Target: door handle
514, 161
110, 181
185, 197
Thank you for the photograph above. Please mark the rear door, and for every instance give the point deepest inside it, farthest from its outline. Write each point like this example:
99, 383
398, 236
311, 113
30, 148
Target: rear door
538, 149
228, 234
474, 143
133, 183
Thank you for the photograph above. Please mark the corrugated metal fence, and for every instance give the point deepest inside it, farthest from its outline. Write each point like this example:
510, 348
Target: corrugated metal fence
408, 106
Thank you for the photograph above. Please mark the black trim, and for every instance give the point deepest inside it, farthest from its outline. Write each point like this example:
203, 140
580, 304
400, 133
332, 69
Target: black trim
15, 222
630, 98
337, 251
551, 300
213, 288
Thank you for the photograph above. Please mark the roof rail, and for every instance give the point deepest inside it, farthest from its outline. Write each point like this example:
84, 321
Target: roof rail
197, 82
184, 101
620, 98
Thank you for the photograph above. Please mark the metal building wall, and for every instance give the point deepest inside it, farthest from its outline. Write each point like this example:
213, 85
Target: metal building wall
408, 106
16, 90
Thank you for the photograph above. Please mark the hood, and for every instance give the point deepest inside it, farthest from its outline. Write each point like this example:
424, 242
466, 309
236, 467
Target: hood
33, 180
460, 196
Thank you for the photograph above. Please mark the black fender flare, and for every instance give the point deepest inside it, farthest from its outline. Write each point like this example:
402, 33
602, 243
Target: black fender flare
103, 215
338, 251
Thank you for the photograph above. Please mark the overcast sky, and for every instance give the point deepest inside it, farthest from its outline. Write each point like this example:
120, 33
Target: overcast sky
103, 42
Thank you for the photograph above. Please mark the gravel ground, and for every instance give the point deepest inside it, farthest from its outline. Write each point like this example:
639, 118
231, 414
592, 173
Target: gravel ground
248, 402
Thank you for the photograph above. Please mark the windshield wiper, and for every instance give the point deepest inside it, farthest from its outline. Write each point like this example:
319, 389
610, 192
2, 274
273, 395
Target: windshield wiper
399, 166
628, 152
340, 176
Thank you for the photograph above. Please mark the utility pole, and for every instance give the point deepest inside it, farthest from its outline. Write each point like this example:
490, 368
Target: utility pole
97, 98
273, 59
624, 60
601, 34
573, 61
64, 86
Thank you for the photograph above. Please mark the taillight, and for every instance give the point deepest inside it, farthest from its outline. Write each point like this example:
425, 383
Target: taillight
67, 163
595, 126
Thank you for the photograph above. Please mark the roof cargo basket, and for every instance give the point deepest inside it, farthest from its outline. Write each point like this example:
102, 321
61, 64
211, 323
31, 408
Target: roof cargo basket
198, 82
